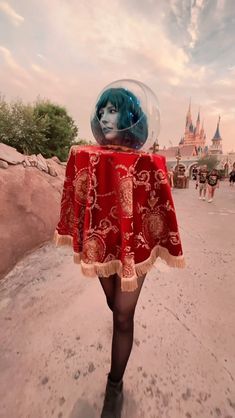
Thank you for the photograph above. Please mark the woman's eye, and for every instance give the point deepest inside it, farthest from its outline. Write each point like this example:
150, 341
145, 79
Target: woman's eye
113, 110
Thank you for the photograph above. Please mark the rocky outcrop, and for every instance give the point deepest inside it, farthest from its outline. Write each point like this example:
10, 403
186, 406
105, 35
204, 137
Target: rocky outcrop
30, 193
9, 155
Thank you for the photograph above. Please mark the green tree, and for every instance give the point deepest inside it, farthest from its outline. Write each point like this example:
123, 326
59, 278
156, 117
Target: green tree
210, 161
81, 141
20, 128
61, 130
44, 128
5, 120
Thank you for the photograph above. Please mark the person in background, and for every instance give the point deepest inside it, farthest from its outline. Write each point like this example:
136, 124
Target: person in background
194, 176
232, 177
201, 182
212, 184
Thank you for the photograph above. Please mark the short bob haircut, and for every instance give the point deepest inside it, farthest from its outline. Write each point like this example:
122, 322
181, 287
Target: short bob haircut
132, 122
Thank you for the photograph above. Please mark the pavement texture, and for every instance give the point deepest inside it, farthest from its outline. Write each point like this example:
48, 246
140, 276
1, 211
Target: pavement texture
56, 329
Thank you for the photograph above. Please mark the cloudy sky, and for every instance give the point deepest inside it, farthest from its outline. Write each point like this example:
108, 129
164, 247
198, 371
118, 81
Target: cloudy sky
68, 50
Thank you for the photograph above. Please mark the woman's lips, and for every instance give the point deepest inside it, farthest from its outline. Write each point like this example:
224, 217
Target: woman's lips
106, 129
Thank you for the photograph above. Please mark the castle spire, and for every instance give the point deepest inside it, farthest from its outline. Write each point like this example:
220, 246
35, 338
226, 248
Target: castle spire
216, 147
188, 116
197, 128
202, 129
217, 136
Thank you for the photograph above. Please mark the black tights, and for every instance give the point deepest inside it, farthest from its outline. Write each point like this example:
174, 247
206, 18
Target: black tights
123, 305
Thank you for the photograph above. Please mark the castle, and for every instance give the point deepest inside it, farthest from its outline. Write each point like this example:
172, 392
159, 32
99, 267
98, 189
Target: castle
192, 147
195, 135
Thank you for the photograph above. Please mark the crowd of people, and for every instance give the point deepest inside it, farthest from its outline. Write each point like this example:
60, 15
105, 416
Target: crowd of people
206, 181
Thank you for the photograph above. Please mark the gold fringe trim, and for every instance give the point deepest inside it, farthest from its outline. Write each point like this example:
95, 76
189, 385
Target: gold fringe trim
128, 284
60, 240
77, 258
163, 253
102, 269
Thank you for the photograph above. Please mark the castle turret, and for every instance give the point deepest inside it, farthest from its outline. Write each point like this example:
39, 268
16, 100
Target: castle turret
188, 119
216, 147
202, 133
197, 128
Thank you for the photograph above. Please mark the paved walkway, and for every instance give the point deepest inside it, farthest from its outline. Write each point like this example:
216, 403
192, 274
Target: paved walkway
56, 330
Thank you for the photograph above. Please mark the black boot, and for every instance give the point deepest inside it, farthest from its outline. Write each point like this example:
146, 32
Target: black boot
113, 400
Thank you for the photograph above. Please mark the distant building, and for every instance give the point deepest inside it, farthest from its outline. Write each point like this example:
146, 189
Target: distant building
187, 151
193, 135
192, 147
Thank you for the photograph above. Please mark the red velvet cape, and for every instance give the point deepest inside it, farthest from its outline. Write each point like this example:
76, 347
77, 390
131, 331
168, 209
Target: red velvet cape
118, 214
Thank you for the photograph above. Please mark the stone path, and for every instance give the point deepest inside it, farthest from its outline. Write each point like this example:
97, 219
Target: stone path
56, 330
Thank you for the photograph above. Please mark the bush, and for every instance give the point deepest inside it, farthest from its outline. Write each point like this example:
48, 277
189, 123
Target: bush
61, 129
43, 128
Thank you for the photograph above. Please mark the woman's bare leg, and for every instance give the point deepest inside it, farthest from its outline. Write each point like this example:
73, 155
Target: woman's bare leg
209, 192
204, 193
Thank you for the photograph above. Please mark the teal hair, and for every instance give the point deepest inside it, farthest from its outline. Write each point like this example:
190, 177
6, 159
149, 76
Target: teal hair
132, 122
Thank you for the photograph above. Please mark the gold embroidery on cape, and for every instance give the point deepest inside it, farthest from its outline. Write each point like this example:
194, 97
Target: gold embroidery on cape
110, 257
154, 226
102, 230
127, 235
93, 249
81, 184
153, 200
129, 266
114, 212
174, 238
160, 177
140, 241
94, 159
67, 208
126, 196
142, 179
154, 223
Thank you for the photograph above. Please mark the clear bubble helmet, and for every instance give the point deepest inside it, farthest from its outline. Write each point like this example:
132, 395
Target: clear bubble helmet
126, 114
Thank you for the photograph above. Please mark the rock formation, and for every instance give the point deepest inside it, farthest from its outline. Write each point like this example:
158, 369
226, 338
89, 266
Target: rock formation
30, 193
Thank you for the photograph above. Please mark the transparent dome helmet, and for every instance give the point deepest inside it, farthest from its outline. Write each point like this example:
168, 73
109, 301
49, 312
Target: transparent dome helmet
126, 114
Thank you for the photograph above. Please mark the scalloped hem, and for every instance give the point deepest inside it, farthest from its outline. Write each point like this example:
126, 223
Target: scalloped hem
128, 284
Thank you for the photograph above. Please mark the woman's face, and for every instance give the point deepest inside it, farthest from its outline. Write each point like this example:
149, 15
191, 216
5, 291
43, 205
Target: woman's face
108, 117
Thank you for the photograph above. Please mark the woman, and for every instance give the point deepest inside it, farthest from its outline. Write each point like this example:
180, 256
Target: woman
117, 111
117, 212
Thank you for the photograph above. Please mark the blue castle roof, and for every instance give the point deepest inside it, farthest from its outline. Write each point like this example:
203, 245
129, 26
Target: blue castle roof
217, 136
